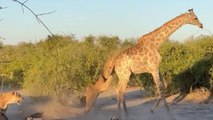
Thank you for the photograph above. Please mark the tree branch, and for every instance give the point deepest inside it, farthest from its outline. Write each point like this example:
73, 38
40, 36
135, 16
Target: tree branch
3, 8
46, 13
25, 1
36, 15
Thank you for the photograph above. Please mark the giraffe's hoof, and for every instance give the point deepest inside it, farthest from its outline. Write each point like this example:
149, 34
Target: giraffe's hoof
114, 118
152, 111
173, 103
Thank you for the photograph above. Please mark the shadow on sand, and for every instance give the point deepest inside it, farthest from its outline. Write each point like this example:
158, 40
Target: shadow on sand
198, 76
106, 107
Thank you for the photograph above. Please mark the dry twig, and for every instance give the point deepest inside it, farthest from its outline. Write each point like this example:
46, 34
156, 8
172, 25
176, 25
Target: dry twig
3, 8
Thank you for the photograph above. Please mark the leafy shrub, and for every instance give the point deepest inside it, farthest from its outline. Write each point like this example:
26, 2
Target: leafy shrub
63, 63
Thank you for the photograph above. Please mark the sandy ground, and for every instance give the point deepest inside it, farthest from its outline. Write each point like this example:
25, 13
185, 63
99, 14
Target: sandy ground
106, 107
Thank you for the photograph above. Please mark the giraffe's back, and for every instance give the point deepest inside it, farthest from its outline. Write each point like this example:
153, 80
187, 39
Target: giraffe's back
138, 59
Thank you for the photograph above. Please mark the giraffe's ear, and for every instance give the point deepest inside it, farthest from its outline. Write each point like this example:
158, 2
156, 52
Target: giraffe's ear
190, 10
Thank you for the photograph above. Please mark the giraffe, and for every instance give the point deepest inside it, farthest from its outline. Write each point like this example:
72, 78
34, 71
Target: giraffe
143, 57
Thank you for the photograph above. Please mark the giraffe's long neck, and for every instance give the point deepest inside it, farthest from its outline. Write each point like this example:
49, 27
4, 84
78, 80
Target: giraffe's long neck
159, 35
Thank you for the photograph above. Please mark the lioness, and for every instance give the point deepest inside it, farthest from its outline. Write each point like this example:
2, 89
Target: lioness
7, 98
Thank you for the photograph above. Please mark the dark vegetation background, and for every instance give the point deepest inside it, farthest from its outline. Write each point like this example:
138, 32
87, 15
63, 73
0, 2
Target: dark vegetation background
66, 64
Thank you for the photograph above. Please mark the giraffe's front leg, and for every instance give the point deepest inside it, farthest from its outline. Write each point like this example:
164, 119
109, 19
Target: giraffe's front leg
121, 98
161, 91
119, 102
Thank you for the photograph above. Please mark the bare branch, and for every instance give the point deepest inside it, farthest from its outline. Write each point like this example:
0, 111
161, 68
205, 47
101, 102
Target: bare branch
38, 19
22, 9
25, 1
3, 8
22, 5
46, 13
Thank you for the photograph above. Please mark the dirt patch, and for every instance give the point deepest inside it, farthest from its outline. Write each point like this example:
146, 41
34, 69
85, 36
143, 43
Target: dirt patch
106, 107
196, 96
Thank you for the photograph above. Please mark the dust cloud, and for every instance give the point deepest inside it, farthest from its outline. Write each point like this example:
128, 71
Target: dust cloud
106, 107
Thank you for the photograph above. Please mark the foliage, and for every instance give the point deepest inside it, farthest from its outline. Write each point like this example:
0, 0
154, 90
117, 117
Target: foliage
187, 65
64, 63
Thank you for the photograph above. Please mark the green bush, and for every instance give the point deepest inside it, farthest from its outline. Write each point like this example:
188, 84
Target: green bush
186, 66
64, 63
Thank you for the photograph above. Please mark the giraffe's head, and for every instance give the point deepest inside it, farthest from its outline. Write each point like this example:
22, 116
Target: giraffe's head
193, 19
91, 95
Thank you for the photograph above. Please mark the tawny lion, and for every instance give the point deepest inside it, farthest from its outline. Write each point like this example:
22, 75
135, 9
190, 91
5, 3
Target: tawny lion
8, 98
